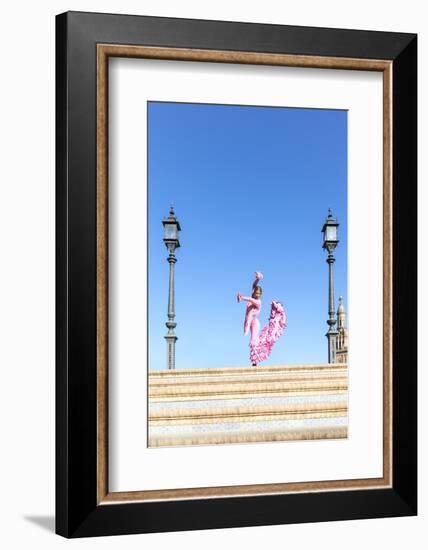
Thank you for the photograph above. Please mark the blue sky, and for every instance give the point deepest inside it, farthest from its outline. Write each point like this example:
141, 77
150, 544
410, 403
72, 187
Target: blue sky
251, 187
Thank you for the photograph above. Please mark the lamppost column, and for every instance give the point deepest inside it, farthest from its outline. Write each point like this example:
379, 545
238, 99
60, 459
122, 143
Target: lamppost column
171, 297
332, 333
171, 338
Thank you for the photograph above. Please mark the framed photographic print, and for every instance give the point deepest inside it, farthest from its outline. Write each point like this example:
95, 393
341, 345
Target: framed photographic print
236, 274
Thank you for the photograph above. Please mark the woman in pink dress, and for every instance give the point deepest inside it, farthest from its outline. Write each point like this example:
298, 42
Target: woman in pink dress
261, 343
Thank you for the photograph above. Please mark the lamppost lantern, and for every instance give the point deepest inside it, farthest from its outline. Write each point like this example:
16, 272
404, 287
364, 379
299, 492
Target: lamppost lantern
171, 231
329, 230
330, 241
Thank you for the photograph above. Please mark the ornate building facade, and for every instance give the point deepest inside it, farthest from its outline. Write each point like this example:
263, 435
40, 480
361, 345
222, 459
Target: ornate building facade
342, 334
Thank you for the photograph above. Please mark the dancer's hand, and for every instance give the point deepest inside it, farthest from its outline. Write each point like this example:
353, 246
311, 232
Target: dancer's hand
259, 275
238, 297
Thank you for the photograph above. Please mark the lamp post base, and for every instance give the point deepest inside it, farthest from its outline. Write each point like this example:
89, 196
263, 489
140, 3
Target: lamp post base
332, 345
170, 350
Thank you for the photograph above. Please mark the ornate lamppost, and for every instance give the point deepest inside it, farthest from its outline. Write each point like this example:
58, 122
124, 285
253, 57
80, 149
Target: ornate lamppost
171, 239
330, 242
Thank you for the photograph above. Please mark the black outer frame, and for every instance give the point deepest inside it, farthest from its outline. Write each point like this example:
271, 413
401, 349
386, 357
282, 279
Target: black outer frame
77, 513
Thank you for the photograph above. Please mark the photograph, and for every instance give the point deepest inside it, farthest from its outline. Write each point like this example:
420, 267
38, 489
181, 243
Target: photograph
247, 274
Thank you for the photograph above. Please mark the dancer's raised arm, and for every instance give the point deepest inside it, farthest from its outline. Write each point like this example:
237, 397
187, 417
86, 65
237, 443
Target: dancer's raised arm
258, 276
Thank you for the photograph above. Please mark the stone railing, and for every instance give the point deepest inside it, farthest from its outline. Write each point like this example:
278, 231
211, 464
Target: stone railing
249, 404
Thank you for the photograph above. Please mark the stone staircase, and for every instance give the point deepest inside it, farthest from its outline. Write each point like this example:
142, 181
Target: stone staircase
250, 404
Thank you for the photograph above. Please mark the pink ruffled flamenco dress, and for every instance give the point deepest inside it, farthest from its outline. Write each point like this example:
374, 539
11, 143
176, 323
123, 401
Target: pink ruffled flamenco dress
261, 343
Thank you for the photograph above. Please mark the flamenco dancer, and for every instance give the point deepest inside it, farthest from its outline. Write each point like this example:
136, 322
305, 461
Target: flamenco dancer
261, 343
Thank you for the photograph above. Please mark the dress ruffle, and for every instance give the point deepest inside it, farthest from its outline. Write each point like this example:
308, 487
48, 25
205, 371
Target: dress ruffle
270, 334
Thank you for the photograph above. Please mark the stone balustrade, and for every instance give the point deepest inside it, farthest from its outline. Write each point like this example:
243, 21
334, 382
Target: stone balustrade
247, 404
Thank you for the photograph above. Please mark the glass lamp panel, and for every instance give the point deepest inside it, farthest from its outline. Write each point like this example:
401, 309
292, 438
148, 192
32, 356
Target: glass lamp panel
171, 232
331, 233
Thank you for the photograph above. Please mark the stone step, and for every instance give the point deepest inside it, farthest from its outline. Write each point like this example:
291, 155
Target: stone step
225, 371
245, 390
239, 379
222, 438
248, 402
241, 414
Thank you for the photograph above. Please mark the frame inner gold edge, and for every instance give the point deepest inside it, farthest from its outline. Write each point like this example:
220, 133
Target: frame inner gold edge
104, 51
